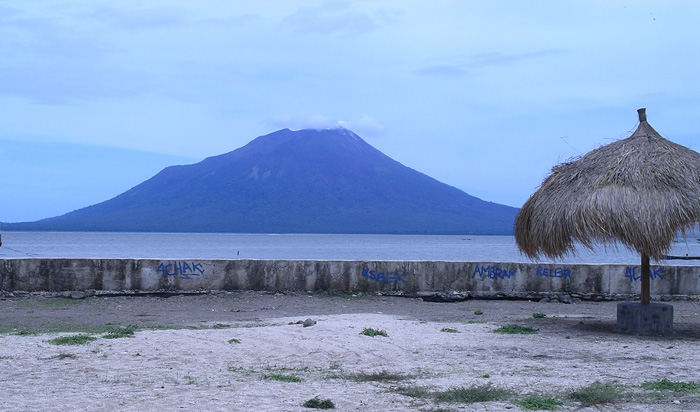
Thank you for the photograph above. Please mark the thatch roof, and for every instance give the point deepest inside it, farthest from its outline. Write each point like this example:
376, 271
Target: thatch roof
639, 191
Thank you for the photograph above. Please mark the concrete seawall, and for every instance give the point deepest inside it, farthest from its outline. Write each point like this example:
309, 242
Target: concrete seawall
486, 278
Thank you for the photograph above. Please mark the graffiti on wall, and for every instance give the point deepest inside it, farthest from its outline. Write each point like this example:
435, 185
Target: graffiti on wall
184, 269
492, 272
634, 273
553, 273
384, 277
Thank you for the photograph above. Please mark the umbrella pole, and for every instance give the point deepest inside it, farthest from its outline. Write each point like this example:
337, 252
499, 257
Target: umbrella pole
645, 296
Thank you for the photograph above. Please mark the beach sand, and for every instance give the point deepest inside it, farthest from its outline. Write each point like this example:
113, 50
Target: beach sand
241, 351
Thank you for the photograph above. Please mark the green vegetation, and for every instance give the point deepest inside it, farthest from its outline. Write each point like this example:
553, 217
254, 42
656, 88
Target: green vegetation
373, 332
382, 376
516, 330
481, 393
283, 378
26, 332
235, 369
164, 327
62, 356
81, 339
52, 302
417, 392
189, 380
234, 340
478, 312
538, 403
121, 332
341, 295
319, 403
597, 393
449, 330
673, 386
538, 315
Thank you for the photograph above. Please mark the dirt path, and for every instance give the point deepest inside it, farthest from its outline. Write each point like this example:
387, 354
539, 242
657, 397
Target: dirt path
244, 351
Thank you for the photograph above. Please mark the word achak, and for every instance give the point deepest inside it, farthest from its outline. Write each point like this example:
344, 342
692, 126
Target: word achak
182, 268
634, 273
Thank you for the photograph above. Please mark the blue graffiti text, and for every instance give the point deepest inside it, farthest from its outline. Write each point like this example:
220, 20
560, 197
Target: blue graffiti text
634, 273
492, 272
556, 273
384, 277
181, 268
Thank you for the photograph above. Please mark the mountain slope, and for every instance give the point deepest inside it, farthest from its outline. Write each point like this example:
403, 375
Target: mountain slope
307, 181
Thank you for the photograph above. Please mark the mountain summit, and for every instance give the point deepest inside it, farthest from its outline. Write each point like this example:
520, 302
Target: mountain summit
306, 181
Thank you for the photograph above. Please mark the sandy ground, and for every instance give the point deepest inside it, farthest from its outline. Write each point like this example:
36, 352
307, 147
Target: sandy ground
226, 351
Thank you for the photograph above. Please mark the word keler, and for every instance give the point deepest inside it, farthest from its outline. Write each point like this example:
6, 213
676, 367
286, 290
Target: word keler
556, 273
182, 268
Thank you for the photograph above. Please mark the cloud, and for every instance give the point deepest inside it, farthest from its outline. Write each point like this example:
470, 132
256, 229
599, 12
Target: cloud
316, 121
138, 19
366, 125
64, 85
24, 36
442, 70
6, 12
482, 60
337, 18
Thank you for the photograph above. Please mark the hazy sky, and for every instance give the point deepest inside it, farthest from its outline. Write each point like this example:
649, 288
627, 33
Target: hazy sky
98, 96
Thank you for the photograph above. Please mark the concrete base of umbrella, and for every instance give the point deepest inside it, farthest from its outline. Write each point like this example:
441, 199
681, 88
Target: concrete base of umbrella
645, 318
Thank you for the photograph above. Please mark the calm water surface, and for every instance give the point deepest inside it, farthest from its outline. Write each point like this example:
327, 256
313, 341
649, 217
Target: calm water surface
299, 246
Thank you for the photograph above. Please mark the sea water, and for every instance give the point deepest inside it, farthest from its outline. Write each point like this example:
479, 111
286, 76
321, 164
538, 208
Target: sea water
302, 246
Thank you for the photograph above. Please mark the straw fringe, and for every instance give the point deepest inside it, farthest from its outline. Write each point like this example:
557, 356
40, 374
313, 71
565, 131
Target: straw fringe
640, 191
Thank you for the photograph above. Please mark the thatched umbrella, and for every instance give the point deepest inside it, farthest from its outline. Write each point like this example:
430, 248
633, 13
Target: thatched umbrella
639, 191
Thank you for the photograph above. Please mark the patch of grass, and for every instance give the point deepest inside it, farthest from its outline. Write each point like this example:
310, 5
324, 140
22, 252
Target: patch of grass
538, 315
317, 403
121, 332
338, 295
283, 378
597, 393
62, 356
163, 327
476, 321
276, 367
189, 380
673, 386
53, 302
486, 376
516, 330
373, 332
234, 340
417, 392
478, 312
449, 330
382, 376
81, 339
480, 393
538, 403
26, 332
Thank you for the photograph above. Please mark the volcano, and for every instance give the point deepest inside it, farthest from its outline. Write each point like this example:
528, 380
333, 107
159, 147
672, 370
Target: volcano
305, 181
